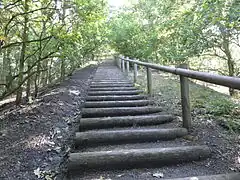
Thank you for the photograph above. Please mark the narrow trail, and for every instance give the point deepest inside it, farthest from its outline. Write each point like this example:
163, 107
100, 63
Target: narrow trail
123, 136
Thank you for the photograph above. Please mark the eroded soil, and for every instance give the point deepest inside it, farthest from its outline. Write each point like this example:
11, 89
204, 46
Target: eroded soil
35, 138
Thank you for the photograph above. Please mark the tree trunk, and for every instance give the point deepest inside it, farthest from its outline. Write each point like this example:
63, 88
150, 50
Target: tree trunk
28, 89
22, 55
44, 73
50, 78
36, 81
62, 69
230, 62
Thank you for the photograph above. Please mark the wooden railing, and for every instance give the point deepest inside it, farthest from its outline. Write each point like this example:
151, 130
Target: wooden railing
184, 73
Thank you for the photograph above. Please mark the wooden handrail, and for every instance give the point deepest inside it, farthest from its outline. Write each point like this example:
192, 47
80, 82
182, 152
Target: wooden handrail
227, 81
184, 73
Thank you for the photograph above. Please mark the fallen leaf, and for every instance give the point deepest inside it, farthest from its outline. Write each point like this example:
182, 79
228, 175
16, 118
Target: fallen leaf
37, 172
194, 178
120, 175
158, 175
57, 149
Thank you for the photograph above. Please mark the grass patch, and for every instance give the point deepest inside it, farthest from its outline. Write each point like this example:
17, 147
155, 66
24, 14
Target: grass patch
166, 87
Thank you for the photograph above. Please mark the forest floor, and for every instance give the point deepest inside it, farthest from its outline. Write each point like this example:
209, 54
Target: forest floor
212, 113
35, 138
215, 116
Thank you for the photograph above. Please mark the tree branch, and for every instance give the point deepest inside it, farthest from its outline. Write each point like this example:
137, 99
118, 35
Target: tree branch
31, 41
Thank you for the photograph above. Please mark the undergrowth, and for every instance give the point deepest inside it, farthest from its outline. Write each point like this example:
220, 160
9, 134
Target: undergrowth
223, 108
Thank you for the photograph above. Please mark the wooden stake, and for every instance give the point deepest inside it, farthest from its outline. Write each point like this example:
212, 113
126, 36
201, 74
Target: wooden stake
123, 66
149, 81
186, 112
135, 72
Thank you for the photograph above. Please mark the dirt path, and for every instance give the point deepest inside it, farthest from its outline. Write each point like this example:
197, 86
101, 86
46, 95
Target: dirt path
35, 138
223, 144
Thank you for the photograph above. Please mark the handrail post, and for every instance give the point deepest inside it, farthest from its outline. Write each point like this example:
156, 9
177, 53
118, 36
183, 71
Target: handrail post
149, 81
127, 64
135, 72
119, 63
186, 112
123, 66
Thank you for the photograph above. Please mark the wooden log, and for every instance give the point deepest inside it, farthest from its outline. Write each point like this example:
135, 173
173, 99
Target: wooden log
135, 73
119, 63
115, 98
90, 138
128, 68
123, 121
112, 81
149, 81
119, 111
134, 158
129, 103
233, 82
186, 112
102, 93
106, 83
111, 85
108, 79
231, 176
113, 89
123, 66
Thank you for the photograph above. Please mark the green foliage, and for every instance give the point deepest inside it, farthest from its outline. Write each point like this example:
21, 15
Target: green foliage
47, 40
221, 106
174, 31
212, 102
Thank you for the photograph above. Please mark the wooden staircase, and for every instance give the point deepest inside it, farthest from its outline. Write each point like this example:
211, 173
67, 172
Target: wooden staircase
117, 113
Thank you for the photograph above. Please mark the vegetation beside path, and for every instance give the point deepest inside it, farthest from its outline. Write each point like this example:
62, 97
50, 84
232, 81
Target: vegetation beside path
205, 102
215, 116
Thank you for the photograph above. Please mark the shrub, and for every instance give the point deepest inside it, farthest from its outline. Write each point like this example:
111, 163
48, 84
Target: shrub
221, 106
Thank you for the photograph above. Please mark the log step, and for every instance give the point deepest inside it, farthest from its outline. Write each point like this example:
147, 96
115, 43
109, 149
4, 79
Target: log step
134, 158
123, 121
111, 85
115, 98
113, 89
127, 135
102, 93
104, 83
133, 103
111, 81
119, 111
231, 176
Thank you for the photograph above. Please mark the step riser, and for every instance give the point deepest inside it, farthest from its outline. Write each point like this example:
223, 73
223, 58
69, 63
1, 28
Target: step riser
232, 176
136, 158
124, 121
111, 85
103, 104
94, 138
113, 89
115, 98
106, 112
106, 83
102, 93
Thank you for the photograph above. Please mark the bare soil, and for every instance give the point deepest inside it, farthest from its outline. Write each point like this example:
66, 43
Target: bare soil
35, 138
207, 130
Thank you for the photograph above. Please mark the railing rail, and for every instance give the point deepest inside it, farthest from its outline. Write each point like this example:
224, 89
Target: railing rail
231, 82
184, 73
